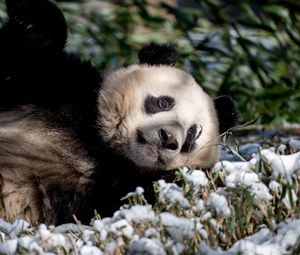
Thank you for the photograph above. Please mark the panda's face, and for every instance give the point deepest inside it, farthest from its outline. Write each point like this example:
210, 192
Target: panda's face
158, 117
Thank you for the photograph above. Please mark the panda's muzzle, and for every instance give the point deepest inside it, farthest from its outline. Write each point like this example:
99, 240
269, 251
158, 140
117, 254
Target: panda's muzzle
156, 146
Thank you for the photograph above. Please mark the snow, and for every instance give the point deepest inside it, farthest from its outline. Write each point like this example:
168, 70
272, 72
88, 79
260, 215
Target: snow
264, 242
243, 174
112, 246
99, 226
203, 233
123, 227
138, 192
176, 248
199, 206
206, 216
25, 241
87, 236
241, 177
36, 248
288, 200
151, 233
9, 246
195, 177
274, 186
50, 239
136, 214
90, 250
183, 218
146, 246
281, 148
15, 228
179, 228
282, 165
295, 144
261, 192
19, 226
172, 193
219, 203
230, 167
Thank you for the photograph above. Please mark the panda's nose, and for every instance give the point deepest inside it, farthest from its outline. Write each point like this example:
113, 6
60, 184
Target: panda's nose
168, 141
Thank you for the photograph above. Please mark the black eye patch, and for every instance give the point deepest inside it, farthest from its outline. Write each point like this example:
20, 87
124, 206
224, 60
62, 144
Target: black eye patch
191, 136
159, 104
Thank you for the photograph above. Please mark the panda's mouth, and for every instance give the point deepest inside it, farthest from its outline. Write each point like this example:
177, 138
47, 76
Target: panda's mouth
148, 155
161, 160
147, 151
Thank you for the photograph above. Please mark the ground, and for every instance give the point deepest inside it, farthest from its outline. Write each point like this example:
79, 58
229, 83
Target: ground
247, 204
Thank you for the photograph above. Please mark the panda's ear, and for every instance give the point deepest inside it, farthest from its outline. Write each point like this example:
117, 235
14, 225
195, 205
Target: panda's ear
227, 112
158, 54
37, 23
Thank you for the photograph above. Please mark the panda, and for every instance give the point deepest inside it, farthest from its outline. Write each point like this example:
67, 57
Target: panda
73, 141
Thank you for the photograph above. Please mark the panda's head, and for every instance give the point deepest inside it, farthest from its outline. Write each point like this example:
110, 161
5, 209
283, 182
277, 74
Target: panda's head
157, 116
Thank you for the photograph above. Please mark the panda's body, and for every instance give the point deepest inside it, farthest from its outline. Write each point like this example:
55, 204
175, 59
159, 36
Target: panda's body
71, 143
48, 174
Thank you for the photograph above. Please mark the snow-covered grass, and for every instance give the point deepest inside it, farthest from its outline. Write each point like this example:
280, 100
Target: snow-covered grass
238, 207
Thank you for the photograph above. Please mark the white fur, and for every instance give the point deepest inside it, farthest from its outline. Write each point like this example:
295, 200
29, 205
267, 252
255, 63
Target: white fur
121, 107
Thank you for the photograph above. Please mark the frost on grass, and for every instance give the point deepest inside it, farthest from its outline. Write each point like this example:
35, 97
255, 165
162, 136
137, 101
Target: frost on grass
219, 202
244, 207
242, 174
263, 242
282, 165
197, 178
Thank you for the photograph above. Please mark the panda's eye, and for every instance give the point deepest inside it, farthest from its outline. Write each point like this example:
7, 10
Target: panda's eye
158, 104
192, 135
164, 102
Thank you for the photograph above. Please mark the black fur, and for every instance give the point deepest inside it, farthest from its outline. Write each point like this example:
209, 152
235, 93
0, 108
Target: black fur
33, 16
34, 68
227, 112
158, 54
60, 89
